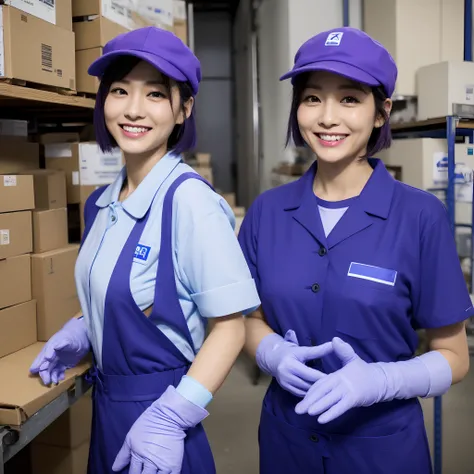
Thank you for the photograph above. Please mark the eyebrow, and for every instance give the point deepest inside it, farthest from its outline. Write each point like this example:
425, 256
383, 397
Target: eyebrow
342, 87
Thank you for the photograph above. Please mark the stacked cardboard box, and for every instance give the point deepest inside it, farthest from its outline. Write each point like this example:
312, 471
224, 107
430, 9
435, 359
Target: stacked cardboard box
98, 21
86, 168
201, 163
37, 43
64, 446
17, 308
180, 23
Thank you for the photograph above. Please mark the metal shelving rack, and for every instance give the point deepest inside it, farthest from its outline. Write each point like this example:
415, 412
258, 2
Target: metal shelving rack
12, 441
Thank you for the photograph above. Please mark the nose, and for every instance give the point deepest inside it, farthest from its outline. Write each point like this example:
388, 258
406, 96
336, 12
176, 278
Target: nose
328, 117
135, 109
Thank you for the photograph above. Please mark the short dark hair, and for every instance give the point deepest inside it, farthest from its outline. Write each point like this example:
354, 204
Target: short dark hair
182, 138
380, 137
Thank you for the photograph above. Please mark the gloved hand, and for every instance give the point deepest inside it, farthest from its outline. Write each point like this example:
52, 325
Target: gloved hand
285, 360
64, 350
155, 442
361, 384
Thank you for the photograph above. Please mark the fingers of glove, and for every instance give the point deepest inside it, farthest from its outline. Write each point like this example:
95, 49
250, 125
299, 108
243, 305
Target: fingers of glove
315, 393
298, 369
45, 375
336, 411
57, 374
332, 398
290, 336
149, 468
35, 366
136, 466
293, 390
315, 352
343, 350
122, 459
292, 383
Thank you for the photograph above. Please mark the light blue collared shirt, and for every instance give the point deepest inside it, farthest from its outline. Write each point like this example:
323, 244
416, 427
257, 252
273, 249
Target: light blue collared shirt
212, 276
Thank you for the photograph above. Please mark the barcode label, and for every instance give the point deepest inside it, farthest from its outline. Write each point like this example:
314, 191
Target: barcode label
9, 181
50, 3
46, 57
4, 236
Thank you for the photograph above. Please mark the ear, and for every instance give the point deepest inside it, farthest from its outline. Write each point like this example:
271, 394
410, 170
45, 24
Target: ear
379, 120
188, 108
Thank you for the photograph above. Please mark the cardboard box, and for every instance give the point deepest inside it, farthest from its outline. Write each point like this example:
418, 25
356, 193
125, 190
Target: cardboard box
15, 275
72, 428
66, 137
205, 172
58, 13
25, 394
49, 230
203, 159
18, 325
16, 234
49, 188
85, 166
17, 156
17, 193
54, 288
47, 459
130, 14
14, 129
96, 32
36, 51
85, 82
180, 25
230, 198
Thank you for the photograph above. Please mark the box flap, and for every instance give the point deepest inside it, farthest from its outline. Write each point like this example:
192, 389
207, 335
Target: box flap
24, 394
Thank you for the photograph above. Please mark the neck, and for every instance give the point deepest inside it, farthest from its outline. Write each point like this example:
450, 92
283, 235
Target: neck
339, 181
138, 166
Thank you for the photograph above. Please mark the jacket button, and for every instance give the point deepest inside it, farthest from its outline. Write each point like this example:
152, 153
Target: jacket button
322, 251
315, 287
314, 438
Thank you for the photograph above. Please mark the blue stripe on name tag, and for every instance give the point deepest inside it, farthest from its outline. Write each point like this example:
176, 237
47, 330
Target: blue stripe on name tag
384, 276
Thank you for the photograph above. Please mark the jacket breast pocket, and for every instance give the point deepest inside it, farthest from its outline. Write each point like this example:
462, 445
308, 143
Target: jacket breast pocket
370, 297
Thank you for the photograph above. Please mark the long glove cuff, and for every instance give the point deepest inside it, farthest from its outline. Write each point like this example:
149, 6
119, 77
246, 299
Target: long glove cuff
179, 409
268, 344
428, 375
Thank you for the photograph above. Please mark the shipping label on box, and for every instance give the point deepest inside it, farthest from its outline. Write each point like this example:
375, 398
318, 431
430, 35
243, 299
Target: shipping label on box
98, 168
44, 9
134, 14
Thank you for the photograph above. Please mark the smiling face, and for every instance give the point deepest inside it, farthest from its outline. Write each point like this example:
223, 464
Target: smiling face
142, 109
336, 117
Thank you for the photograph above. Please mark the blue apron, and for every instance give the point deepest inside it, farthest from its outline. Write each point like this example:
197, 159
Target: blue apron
138, 361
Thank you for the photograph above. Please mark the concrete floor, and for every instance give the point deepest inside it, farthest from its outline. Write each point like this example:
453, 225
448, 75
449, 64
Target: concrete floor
232, 426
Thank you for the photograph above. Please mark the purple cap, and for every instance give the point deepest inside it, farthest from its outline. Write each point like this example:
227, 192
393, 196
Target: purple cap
349, 52
161, 48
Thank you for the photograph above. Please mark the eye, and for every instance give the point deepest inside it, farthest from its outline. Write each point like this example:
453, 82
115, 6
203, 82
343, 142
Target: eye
350, 100
157, 95
118, 91
311, 99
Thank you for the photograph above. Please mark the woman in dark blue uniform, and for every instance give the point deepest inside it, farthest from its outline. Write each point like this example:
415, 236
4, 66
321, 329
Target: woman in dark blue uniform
159, 256
350, 262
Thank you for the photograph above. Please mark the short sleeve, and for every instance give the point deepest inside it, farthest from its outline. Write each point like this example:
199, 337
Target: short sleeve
210, 260
442, 298
248, 237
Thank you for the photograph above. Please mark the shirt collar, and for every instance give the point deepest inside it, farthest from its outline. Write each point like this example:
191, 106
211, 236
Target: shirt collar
375, 198
138, 203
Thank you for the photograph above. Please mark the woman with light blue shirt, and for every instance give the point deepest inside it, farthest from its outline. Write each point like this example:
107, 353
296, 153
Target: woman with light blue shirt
158, 258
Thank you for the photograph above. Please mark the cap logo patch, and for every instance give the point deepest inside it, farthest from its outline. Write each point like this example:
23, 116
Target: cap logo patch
334, 38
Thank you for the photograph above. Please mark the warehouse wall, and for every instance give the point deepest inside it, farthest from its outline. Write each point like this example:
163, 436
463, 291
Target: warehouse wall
282, 30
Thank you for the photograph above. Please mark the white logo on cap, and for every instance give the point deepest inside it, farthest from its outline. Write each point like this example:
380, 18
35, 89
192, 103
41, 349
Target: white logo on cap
334, 38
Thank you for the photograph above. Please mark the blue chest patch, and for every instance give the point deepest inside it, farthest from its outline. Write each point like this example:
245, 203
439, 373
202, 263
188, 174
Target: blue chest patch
142, 252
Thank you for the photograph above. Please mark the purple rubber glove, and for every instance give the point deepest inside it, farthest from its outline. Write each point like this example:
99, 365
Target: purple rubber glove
285, 360
64, 350
155, 442
361, 384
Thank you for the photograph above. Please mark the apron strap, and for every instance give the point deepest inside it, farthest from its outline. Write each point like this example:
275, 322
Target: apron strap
166, 285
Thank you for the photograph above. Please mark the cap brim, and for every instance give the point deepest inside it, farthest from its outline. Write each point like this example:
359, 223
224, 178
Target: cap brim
336, 67
98, 67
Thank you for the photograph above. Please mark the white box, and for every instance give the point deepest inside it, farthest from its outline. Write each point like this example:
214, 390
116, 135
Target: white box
179, 10
132, 14
44, 9
97, 168
417, 33
445, 88
424, 166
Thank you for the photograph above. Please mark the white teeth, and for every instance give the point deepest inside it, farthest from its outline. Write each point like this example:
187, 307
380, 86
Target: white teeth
135, 129
331, 138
